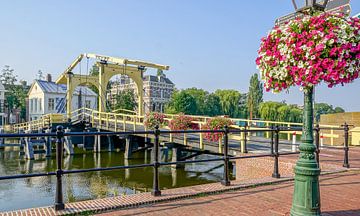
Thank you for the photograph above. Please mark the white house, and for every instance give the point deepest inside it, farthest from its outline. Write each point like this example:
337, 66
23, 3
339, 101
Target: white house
2, 107
48, 97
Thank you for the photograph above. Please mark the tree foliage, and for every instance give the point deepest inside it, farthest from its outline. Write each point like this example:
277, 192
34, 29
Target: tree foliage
181, 102
276, 111
15, 95
125, 100
195, 101
324, 108
230, 102
254, 96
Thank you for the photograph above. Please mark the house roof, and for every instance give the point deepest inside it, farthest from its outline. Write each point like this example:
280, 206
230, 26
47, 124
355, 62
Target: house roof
156, 79
52, 87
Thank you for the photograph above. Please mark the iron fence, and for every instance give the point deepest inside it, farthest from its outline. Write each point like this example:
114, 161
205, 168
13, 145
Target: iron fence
226, 158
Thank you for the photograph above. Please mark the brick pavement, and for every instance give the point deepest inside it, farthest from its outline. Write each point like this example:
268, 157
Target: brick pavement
333, 158
339, 196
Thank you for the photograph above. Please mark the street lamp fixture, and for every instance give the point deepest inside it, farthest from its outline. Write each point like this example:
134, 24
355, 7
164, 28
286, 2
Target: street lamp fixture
302, 5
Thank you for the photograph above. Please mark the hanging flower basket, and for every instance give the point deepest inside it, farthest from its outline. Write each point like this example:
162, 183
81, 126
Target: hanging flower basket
217, 123
181, 122
152, 119
306, 51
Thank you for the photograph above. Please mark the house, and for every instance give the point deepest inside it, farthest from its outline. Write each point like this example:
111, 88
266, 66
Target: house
46, 97
157, 91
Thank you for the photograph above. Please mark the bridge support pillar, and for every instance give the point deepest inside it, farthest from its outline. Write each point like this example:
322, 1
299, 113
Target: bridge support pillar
128, 147
48, 143
165, 154
110, 144
68, 145
97, 142
176, 156
2, 140
29, 149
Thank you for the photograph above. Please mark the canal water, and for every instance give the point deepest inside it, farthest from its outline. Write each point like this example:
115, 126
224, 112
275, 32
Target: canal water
40, 191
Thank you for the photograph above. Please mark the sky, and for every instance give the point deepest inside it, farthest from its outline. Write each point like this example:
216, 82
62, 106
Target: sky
207, 44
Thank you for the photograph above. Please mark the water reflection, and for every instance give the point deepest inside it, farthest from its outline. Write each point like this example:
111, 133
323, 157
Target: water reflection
39, 191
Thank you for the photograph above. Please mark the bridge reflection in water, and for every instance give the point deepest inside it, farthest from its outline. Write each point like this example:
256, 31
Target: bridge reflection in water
39, 191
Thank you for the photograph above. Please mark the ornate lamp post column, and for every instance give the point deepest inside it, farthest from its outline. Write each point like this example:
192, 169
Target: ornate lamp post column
304, 52
306, 197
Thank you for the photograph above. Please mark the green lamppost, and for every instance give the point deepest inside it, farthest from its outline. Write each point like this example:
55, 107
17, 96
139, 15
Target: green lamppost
305, 49
306, 196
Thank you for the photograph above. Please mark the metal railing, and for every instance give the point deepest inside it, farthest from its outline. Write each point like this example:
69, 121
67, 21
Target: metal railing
225, 157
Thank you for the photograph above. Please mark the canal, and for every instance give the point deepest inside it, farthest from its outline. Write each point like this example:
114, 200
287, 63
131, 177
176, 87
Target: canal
39, 191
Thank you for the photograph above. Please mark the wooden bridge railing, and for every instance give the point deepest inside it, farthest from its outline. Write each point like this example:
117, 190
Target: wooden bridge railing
120, 120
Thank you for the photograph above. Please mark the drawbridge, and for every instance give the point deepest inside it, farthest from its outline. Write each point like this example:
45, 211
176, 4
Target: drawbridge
128, 120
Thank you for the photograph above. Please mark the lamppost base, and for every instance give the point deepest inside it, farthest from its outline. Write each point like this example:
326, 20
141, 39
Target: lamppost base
156, 193
59, 206
225, 183
276, 175
306, 199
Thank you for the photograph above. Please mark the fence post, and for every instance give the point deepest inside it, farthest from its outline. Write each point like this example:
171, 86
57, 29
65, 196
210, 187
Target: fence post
59, 203
276, 154
201, 144
272, 141
293, 146
245, 138
346, 145
226, 180
317, 143
156, 191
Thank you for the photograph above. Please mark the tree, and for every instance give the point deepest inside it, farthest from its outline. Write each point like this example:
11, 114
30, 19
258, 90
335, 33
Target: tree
255, 96
324, 108
181, 102
125, 100
200, 97
230, 102
339, 110
212, 105
15, 95
269, 110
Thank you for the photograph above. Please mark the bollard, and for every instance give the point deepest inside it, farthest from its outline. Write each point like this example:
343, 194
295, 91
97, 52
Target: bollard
317, 143
293, 146
245, 138
156, 191
322, 141
346, 146
59, 203
276, 154
226, 180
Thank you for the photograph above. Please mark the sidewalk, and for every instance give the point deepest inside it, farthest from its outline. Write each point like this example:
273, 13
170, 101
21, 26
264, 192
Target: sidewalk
340, 195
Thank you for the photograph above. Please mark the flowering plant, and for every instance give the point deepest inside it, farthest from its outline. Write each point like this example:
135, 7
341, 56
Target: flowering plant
152, 119
181, 122
217, 123
306, 51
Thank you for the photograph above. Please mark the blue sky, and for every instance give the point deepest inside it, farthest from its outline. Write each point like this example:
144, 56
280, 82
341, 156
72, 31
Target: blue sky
208, 44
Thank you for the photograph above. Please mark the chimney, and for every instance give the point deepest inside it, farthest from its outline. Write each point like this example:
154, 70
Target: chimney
48, 78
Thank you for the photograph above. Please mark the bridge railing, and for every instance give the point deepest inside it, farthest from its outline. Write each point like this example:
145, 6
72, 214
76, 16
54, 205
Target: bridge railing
225, 157
44, 122
119, 121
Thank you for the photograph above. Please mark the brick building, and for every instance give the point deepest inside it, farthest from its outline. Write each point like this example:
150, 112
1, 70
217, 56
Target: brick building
157, 91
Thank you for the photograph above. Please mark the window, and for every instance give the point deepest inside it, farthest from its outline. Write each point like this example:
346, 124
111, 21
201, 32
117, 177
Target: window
40, 104
51, 104
35, 104
88, 103
31, 105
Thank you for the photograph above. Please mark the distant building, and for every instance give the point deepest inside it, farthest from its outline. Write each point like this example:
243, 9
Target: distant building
157, 91
46, 97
